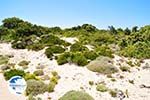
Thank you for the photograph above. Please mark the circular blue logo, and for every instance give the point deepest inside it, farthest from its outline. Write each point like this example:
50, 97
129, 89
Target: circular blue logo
17, 85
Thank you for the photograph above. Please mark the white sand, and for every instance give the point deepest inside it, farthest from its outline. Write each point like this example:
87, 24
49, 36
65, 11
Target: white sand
71, 40
74, 77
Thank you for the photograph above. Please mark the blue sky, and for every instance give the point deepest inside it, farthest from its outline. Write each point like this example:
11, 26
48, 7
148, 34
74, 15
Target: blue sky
68, 13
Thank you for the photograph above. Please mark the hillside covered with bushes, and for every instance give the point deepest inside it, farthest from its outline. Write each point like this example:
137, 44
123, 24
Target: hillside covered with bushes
98, 63
134, 42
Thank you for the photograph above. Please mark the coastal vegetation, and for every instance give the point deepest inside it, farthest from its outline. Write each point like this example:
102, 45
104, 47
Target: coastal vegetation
132, 42
94, 49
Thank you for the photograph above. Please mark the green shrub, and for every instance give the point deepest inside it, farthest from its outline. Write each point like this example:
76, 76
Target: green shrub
18, 45
79, 59
35, 87
90, 55
29, 76
50, 39
102, 65
54, 79
49, 53
77, 47
76, 95
13, 72
51, 86
38, 72
64, 58
104, 51
36, 46
125, 68
101, 88
137, 50
56, 49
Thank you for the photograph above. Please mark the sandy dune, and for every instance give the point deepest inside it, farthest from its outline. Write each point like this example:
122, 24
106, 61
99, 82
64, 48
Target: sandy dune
74, 77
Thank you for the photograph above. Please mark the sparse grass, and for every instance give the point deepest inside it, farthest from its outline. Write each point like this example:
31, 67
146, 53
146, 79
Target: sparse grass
91, 83
54, 73
24, 63
125, 69
38, 72
138, 64
113, 93
54, 79
51, 86
131, 81
109, 76
113, 79
101, 88
127, 93
3, 59
130, 63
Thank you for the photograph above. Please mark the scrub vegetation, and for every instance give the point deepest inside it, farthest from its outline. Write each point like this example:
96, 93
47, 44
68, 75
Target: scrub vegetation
134, 42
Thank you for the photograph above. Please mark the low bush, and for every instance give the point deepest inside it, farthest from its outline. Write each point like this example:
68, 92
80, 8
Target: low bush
38, 72
104, 51
29, 76
64, 58
139, 50
76, 95
50, 39
91, 55
101, 88
77, 47
79, 59
54, 79
13, 72
36, 87
18, 45
102, 65
36, 46
56, 49
51, 86
49, 53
